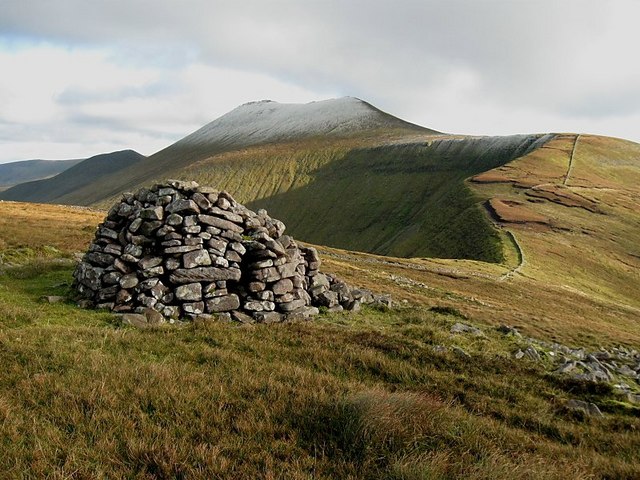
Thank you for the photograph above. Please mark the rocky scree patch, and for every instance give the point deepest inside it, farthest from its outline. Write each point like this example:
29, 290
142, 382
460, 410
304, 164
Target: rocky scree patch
189, 251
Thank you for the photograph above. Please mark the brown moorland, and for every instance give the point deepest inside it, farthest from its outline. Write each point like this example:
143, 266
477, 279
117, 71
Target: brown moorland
367, 395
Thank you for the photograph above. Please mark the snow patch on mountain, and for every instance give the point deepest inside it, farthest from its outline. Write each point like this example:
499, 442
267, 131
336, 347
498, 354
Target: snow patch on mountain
267, 121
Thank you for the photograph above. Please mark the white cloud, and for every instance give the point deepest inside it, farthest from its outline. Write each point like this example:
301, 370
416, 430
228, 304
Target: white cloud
58, 103
131, 68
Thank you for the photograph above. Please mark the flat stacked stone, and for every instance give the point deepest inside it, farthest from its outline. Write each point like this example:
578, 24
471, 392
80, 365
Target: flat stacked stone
188, 251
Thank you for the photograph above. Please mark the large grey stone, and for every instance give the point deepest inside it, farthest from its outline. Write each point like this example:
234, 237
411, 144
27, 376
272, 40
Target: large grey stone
261, 264
319, 280
218, 244
189, 292
52, 299
194, 308
223, 304
89, 275
152, 213
148, 228
107, 233
268, 317
327, 299
464, 328
202, 201
291, 306
98, 258
227, 215
183, 207
221, 223
256, 286
129, 281
302, 313
287, 270
588, 408
242, 317
174, 220
238, 247
152, 272
153, 317
149, 262
181, 249
267, 275
133, 250
282, 286
204, 274
137, 320
259, 306
172, 263
111, 278
196, 258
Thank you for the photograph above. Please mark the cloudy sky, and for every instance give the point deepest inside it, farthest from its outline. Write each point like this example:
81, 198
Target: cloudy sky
81, 77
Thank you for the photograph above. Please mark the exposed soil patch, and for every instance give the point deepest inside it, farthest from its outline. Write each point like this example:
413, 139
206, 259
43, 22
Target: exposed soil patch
562, 195
509, 211
502, 176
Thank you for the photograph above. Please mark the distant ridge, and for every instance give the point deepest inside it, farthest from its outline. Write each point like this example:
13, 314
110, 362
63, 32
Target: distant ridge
13, 173
338, 172
55, 189
256, 123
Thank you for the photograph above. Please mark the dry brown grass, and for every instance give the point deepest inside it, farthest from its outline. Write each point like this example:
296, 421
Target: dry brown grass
508, 211
359, 397
34, 225
589, 261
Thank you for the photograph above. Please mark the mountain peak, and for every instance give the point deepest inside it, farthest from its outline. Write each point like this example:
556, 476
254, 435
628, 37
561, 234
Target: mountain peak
266, 121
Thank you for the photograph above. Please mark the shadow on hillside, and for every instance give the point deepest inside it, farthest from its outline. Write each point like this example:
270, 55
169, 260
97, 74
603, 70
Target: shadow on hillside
406, 200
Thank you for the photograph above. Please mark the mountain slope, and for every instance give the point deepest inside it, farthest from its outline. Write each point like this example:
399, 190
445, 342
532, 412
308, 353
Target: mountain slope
257, 123
55, 189
401, 199
584, 235
338, 172
14, 173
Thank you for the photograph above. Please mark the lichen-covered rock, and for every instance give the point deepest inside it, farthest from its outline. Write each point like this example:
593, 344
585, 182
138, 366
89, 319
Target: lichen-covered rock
186, 251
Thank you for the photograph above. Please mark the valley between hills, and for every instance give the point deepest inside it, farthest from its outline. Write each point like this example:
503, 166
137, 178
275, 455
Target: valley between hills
539, 233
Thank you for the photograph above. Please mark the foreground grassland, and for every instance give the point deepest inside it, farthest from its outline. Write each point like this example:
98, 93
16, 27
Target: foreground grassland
367, 395
344, 396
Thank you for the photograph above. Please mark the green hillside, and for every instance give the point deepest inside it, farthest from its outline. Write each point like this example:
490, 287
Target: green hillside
407, 200
55, 189
329, 122
339, 173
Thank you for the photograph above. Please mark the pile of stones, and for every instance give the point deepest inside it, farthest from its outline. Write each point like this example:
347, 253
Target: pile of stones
618, 366
186, 251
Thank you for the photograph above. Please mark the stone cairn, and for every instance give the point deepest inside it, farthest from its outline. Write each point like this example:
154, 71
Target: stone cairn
184, 251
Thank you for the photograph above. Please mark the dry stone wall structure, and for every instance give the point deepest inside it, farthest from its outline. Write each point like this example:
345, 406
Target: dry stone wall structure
186, 251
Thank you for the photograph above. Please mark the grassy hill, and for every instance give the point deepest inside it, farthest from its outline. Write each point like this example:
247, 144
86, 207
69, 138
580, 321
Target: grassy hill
13, 173
338, 172
378, 394
586, 188
57, 188
343, 174
391, 198
383, 393
330, 122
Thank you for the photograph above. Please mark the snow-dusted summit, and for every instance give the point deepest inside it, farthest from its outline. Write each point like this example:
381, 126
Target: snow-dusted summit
267, 121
